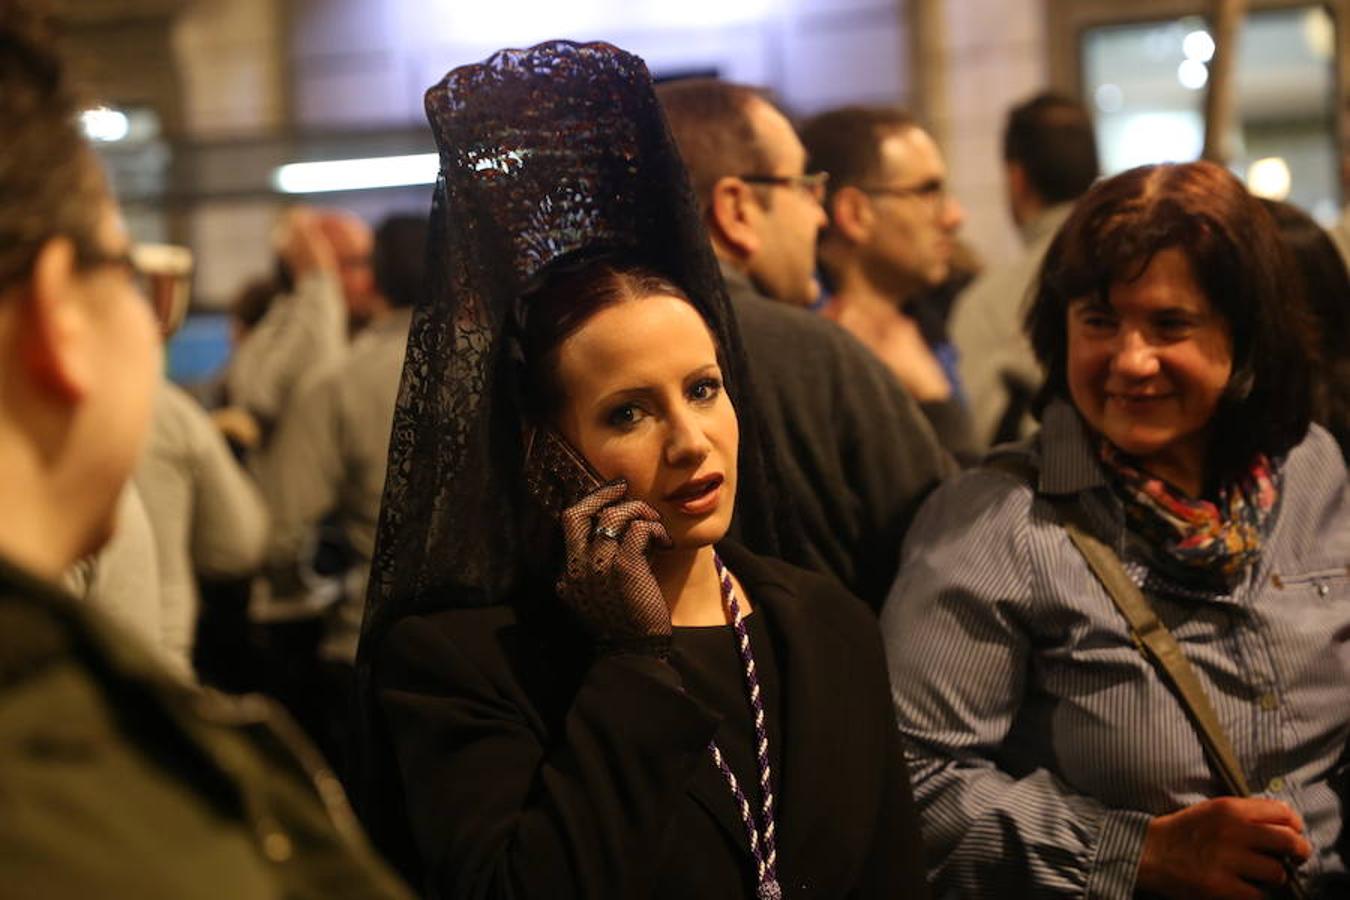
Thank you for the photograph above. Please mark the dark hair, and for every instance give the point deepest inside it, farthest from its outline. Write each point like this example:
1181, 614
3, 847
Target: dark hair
253, 300
569, 297
846, 142
50, 182
1326, 288
1323, 272
1050, 136
710, 122
1240, 263
400, 260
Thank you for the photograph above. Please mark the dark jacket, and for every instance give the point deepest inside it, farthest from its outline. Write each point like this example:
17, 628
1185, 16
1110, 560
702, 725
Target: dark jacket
856, 455
116, 780
531, 770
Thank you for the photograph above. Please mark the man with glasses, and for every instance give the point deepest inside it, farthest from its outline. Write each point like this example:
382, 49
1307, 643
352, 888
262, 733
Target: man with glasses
117, 779
891, 236
857, 456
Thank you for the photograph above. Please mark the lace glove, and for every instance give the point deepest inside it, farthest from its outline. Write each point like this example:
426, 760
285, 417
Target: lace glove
607, 581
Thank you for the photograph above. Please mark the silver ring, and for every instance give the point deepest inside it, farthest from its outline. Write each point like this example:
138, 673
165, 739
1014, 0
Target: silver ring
605, 531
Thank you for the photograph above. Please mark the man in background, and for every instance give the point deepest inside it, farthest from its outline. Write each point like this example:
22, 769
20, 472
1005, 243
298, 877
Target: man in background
323, 477
325, 256
891, 235
327, 459
1050, 159
856, 455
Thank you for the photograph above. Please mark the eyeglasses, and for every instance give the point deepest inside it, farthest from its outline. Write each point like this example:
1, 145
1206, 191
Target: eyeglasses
94, 258
813, 182
932, 192
160, 273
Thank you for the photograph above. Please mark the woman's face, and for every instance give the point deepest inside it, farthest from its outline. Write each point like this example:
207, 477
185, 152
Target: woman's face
643, 401
1147, 369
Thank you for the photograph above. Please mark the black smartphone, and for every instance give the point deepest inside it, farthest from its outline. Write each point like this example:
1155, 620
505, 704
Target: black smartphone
556, 474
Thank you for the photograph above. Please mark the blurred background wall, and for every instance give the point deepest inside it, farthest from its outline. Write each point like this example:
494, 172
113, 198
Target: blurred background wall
198, 102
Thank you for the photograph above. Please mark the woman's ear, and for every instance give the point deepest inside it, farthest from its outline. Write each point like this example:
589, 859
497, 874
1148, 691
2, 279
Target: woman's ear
54, 324
733, 215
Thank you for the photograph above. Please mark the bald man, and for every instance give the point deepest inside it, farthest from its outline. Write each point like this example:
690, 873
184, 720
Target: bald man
327, 255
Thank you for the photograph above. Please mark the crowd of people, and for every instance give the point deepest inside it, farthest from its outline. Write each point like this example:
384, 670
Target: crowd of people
678, 511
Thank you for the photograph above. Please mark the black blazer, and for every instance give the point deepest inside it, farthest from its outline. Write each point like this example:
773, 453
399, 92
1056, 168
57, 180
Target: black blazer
531, 770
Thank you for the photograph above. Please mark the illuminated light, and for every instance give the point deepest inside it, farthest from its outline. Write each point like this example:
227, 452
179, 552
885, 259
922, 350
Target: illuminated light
1109, 98
356, 174
104, 124
1319, 32
1192, 74
532, 20
1270, 178
1134, 139
1198, 45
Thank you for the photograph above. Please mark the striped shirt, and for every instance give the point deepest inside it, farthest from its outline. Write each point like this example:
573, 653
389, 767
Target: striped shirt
1040, 741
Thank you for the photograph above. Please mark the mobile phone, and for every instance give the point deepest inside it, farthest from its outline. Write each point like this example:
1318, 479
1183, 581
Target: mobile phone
556, 474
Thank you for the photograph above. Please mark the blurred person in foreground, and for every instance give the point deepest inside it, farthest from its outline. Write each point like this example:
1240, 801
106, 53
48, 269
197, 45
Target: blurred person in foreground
587, 692
1326, 284
856, 454
1049, 160
116, 779
1049, 754
325, 259
189, 511
890, 239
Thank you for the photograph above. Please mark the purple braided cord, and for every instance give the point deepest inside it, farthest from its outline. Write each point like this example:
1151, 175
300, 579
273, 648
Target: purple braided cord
765, 848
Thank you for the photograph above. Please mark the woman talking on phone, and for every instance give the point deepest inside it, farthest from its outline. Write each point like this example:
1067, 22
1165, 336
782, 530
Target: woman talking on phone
574, 686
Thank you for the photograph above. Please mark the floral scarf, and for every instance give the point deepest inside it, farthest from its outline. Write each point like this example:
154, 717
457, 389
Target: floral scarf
1199, 540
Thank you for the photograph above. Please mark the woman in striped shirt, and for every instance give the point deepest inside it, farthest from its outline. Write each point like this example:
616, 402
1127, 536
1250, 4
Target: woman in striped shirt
1048, 755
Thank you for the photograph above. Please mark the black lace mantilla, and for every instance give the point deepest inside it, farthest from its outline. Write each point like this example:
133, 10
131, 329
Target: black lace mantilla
545, 153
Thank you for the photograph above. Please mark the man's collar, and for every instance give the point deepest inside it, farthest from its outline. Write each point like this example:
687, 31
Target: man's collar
397, 318
1045, 223
737, 281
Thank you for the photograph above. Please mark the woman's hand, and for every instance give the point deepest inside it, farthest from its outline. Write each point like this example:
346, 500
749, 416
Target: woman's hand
1230, 847
607, 580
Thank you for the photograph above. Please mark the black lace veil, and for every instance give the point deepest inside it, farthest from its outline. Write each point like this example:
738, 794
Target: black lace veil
546, 154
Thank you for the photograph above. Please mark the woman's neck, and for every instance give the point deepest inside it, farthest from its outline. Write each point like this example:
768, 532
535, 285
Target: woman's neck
1182, 464
688, 580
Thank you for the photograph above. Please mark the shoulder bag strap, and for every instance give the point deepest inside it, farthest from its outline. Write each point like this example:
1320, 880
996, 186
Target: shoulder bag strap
1149, 633
1157, 643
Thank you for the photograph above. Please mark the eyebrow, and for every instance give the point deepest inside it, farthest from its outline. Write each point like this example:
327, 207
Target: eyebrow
1092, 301
646, 389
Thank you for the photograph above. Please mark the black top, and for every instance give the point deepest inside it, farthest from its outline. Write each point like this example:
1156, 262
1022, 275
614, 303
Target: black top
709, 663
531, 769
